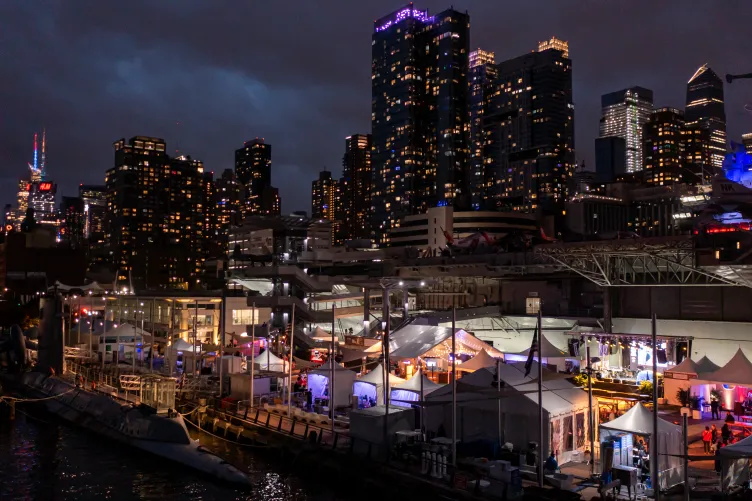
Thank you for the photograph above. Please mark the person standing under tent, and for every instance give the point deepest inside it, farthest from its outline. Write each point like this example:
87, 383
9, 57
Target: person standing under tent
715, 412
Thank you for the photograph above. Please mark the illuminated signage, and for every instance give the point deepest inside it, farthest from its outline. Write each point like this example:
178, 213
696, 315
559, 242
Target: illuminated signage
45, 186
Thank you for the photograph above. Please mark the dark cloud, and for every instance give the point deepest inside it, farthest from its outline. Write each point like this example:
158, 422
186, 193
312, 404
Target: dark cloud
208, 75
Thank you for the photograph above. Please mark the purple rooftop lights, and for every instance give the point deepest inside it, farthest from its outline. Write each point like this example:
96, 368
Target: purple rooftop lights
420, 15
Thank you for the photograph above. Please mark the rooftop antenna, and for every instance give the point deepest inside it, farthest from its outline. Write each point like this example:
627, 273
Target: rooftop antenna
177, 139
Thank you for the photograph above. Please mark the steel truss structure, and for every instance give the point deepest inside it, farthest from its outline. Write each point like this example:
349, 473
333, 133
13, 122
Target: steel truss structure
669, 261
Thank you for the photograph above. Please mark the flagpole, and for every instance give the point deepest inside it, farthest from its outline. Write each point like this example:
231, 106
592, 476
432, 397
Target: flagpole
591, 428
540, 397
654, 438
454, 388
253, 352
292, 346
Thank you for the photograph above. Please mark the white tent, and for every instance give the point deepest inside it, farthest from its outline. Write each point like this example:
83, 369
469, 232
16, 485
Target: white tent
121, 340
268, 361
413, 340
319, 384
484, 412
738, 370
371, 385
479, 361
409, 391
639, 421
185, 347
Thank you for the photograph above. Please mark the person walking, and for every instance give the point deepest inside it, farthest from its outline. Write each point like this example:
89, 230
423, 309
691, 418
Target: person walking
714, 433
715, 412
706, 438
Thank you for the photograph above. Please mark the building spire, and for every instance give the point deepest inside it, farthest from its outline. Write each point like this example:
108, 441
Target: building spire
43, 163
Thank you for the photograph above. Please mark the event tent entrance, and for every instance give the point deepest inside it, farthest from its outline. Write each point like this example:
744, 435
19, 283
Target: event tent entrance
409, 391
371, 386
639, 421
319, 384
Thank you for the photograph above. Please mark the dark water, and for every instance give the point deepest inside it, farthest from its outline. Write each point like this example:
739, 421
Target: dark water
42, 458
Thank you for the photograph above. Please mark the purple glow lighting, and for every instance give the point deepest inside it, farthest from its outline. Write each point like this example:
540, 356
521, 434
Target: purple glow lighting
420, 15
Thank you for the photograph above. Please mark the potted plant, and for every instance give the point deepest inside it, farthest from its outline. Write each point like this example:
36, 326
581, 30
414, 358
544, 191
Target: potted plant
682, 395
695, 402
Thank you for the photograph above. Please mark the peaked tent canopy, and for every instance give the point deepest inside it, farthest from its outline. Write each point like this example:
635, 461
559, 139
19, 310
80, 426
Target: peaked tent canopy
688, 366
409, 391
268, 361
184, 346
127, 330
741, 449
371, 385
548, 350
479, 361
738, 370
639, 420
412, 340
706, 365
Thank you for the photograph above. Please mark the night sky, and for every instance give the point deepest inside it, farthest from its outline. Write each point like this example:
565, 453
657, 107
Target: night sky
298, 73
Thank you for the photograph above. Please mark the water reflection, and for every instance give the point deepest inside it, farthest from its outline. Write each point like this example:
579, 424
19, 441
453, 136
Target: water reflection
41, 458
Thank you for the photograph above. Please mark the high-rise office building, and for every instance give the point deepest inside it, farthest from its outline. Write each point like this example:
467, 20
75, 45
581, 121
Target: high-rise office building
271, 202
481, 76
72, 231
226, 199
419, 119
706, 110
664, 148
356, 187
253, 169
610, 158
94, 199
528, 129
747, 142
323, 196
624, 114
554, 43
155, 215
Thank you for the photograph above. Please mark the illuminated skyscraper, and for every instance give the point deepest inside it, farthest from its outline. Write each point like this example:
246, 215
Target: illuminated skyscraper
480, 79
664, 148
624, 114
323, 195
554, 43
155, 215
227, 195
253, 169
419, 114
528, 131
356, 188
706, 110
747, 142
72, 232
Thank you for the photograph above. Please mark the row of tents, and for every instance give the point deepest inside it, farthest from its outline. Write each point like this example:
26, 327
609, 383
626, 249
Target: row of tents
703, 375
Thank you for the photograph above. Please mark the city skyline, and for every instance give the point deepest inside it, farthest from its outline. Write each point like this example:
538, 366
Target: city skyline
221, 96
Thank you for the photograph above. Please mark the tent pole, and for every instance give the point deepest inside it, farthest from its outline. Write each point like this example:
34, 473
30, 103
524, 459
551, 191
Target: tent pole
591, 421
422, 400
654, 459
153, 340
498, 397
292, 346
332, 361
454, 389
540, 397
385, 364
253, 351
221, 339
685, 439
